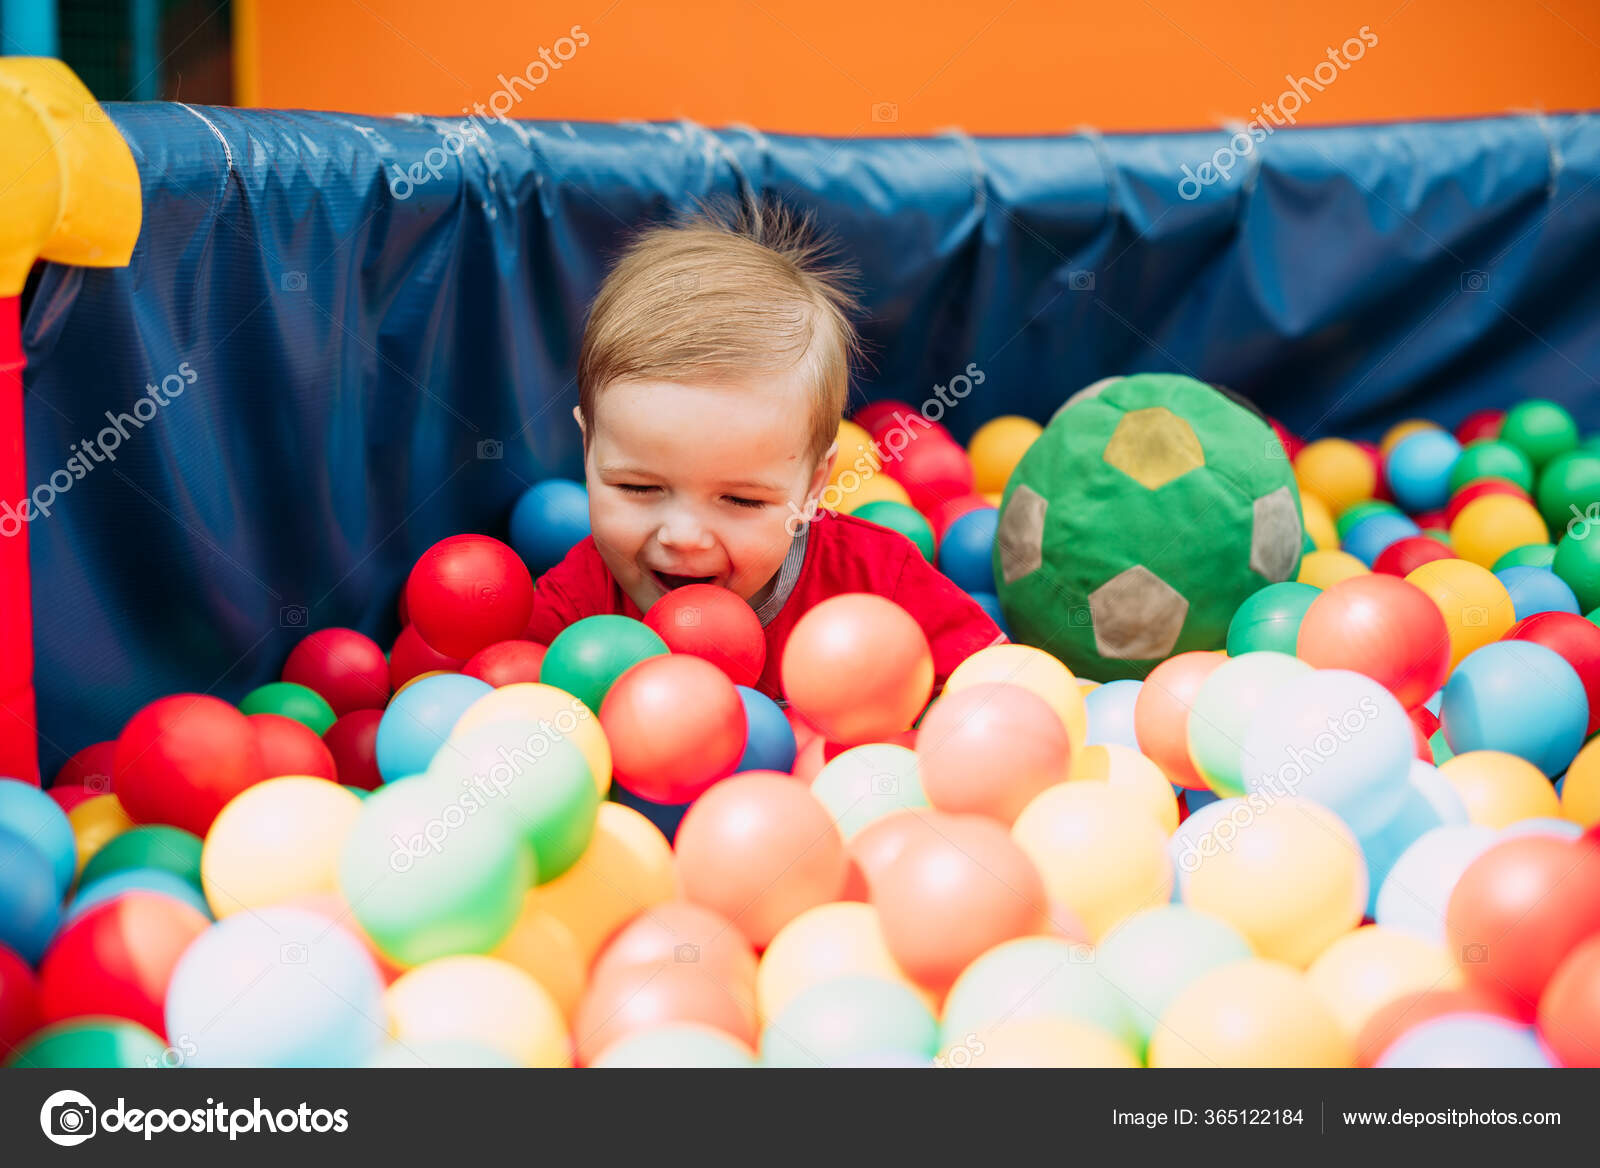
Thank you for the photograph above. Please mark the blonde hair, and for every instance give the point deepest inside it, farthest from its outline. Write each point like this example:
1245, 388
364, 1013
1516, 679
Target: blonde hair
722, 293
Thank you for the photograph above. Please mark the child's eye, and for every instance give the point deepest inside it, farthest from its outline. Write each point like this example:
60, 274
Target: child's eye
754, 504
635, 488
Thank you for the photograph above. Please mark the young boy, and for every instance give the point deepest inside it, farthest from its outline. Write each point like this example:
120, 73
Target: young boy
711, 382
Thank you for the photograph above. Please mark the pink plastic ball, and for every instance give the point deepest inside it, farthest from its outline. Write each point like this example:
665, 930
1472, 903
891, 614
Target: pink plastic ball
675, 724
989, 749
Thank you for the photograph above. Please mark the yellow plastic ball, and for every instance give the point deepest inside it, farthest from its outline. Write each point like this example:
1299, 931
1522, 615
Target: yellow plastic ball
1319, 523
1491, 525
857, 452
1099, 849
95, 822
275, 841
855, 491
1500, 789
545, 949
1476, 606
532, 701
1255, 1013
1043, 1042
1337, 472
996, 449
993, 498
1087, 686
1400, 431
1364, 971
1289, 876
843, 939
1580, 790
481, 1000
1124, 767
1325, 568
1032, 669
626, 869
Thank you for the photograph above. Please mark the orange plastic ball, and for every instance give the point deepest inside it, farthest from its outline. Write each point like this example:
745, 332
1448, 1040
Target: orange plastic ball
858, 668
989, 749
1384, 627
1161, 713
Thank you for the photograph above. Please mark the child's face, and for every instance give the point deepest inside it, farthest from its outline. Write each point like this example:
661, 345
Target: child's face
692, 483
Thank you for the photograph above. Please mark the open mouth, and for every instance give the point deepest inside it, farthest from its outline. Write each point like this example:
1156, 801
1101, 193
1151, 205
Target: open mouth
669, 581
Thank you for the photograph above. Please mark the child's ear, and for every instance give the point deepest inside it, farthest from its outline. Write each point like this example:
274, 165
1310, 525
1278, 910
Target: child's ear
577, 414
824, 471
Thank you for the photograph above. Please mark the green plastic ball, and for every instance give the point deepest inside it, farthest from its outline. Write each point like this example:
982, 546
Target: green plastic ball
908, 521
1270, 619
1221, 711
1578, 562
1529, 555
171, 849
290, 700
1441, 749
90, 1043
588, 655
1036, 977
1540, 429
1488, 459
1569, 489
1354, 515
848, 1017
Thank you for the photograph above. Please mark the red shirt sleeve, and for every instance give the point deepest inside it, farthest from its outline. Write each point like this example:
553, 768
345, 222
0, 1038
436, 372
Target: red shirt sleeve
955, 624
579, 586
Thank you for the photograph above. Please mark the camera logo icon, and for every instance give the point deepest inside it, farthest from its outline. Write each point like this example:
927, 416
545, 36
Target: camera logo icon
687, 281
292, 953
885, 784
292, 616
1079, 281
1474, 616
68, 1118
1474, 953
885, 111
293, 282
491, 449
686, 954
688, 617
1474, 281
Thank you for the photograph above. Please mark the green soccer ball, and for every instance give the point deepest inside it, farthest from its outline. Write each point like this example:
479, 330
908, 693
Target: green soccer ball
1150, 508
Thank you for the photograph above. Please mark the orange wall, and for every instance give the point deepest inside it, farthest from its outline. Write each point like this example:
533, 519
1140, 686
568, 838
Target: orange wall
986, 66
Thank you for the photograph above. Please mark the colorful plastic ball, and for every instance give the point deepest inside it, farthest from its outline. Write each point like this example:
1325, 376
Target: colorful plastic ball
901, 517
411, 656
1569, 1009
1269, 620
967, 552
1479, 425
1126, 768
1430, 802
95, 822
1323, 569
1223, 708
555, 710
1110, 709
1537, 590
760, 849
345, 667
989, 749
953, 894
426, 878
1529, 555
90, 1043
1479, 489
675, 724
865, 783
627, 868
419, 720
1041, 1042
1161, 713
468, 591
847, 1017
589, 655
94, 765
1519, 697
30, 897
1364, 970
506, 663
1253, 1013
1336, 471
1542, 430
1400, 431
157, 881
678, 931
1569, 488
1380, 490
1580, 789
856, 490
548, 519
677, 1044
1578, 563
546, 950
1321, 532
19, 1002
289, 700
1558, 828
996, 448
1500, 789
1400, 1015
1292, 445
1353, 516
1418, 469
630, 999
1384, 627
277, 987
823, 944
931, 469
1476, 607
278, 840
1486, 528
857, 451
712, 623
879, 416
769, 739
1518, 910
1466, 1040
1375, 534
878, 647
352, 741
168, 849
952, 509
37, 818
1032, 669
290, 747
181, 758
1491, 459
481, 1000
419, 1055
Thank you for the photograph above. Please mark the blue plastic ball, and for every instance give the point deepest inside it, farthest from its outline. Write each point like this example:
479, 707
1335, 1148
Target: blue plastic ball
1466, 1040
769, 743
37, 818
1537, 590
30, 905
1418, 469
966, 554
1110, 708
1367, 538
549, 519
666, 816
990, 603
136, 880
416, 722
1518, 697
1429, 803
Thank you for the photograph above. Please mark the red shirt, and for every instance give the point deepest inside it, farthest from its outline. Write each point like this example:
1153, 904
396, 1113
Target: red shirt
843, 554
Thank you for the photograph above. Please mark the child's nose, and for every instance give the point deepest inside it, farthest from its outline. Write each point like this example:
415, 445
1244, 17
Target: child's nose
682, 529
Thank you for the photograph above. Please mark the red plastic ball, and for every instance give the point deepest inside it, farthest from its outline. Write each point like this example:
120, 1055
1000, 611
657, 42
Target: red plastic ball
289, 747
1480, 425
932, 471
346, 667
873, 413
1569, 1011
1405, 556
675, 724
1423, 727
714, 624
19, 1002
1292, 443
353, 743
858, 667
1477, 489
1577, 640
117, 958
883, 419
1384, 627
91, 767
1432, 520
469, 591
69, 797
411, 656
180, 759
1518, 910
1381, 488
506, 663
